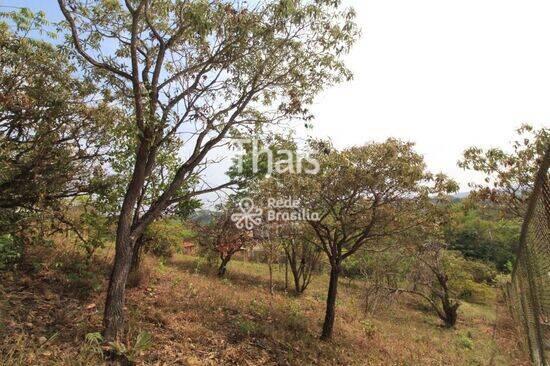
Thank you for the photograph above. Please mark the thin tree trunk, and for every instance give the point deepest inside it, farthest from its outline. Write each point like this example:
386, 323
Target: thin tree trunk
331, 303
450, 311
297, 286
286, 273
223, 266
270, 277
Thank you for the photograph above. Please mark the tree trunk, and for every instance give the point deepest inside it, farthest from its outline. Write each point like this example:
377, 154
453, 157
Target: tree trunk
451, 313
270, 277
223, 266
113, 317
331, 303
114, 306
136, 256
291, 259
134, 277
297, 286
286, 273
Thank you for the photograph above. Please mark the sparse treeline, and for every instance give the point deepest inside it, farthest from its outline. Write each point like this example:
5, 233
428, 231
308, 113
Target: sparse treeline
104, 140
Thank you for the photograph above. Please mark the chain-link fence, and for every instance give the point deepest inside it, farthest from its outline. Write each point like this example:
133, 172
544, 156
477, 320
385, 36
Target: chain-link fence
528, 294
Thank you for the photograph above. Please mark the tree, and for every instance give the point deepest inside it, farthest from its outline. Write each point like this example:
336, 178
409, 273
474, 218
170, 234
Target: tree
302, 258
224, 239
54, 135
509, 176
360, 195
206, 70
301, 254
431, 281
272, 251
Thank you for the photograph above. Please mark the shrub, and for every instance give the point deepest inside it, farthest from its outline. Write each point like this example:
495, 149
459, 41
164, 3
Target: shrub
368, 327
11, 251
474, 292
163, 237
465, 340
482, 272
247, 327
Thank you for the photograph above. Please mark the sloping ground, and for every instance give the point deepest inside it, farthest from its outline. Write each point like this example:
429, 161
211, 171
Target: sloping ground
196, 319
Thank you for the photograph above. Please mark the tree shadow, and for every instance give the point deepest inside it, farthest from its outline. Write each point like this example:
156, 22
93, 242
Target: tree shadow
232, 275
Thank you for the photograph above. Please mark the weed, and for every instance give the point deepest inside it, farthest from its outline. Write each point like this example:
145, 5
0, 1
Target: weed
247, 327
368, 328
466, 341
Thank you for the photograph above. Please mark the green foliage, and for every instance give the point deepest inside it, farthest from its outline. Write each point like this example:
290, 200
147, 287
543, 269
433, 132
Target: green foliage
10, 251
474, 292
80, 273
352, 268
164, 237
51, 137
144, 341
466, 341
94, 341
248, 327
295, 319
369, 328
482, 236
468, 280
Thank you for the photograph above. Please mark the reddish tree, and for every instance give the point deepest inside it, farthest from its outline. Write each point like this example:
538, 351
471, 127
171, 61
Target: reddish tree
224, 239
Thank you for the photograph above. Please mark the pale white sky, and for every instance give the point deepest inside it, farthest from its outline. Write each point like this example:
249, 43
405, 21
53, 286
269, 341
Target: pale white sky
446, 74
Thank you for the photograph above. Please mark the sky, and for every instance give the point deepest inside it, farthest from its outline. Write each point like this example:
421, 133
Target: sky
445, 74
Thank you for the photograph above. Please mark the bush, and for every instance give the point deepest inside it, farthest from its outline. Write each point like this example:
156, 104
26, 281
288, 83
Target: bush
477, 293
11, 251
164, 237
482, 272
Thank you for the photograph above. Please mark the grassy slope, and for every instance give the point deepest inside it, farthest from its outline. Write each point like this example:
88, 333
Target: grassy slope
197, 319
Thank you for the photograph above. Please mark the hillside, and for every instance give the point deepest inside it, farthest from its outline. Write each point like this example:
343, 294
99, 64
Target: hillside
49, 318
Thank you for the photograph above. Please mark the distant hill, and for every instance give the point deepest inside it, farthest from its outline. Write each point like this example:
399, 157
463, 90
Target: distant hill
203, 217
461, 195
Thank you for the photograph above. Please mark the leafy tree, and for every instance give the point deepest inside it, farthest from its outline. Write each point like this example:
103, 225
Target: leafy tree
205, 70
54, 134
121, 161
272, 252
443, 277
381, 270
361, 194
509, 175
303, 258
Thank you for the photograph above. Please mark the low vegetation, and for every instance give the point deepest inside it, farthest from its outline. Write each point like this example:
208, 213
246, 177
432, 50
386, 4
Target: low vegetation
185, 314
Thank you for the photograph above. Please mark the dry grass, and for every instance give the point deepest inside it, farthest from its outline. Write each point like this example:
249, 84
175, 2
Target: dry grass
197, 319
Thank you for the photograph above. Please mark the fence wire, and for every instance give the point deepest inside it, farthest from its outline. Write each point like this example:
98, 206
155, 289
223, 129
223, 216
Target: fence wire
528, 293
